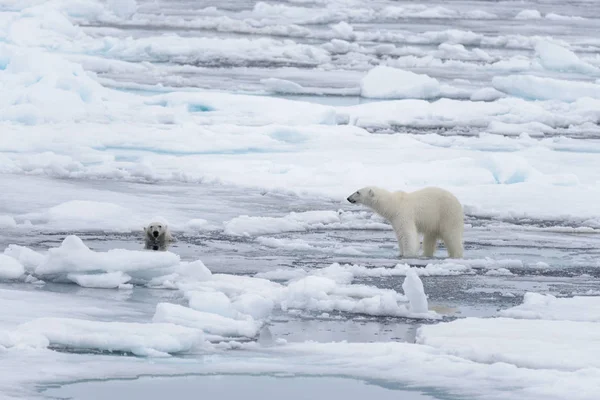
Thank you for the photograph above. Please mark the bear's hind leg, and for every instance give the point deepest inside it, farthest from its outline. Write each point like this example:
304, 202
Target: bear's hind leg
429, 244
454, 244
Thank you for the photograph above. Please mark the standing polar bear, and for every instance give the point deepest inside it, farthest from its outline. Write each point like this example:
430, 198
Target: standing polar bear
433, 212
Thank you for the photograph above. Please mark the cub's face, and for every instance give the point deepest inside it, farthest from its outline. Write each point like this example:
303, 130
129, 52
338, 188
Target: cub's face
361, 196
155, 230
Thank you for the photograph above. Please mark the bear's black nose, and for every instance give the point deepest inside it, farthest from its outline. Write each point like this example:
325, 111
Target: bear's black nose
350, 200
155, 234
155, 248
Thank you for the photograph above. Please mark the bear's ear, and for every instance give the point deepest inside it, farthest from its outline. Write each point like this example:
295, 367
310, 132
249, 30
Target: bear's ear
145, 229
371, 192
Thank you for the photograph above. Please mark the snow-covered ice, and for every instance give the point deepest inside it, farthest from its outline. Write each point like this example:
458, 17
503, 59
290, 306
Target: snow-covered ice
246, 125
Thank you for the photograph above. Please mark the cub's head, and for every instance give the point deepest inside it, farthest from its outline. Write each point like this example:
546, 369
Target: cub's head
155, 229
365, 196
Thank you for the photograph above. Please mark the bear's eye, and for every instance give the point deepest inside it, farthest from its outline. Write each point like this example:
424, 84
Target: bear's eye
160, 227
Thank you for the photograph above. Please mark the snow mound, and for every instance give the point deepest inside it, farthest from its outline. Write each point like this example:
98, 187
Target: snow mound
391, 83
534, 344
548, 307
154, 340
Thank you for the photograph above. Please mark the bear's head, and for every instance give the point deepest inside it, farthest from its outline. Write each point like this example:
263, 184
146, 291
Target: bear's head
155, 229
364, 196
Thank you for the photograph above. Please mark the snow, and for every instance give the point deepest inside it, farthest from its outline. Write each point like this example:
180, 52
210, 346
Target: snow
392, 83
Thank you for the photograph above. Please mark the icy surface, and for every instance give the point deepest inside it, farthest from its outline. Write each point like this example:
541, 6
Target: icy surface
246, 125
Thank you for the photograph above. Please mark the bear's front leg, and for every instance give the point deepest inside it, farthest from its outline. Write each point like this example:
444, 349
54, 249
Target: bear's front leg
408, 240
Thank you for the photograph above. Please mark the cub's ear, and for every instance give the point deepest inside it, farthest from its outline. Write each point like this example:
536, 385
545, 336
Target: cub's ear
371, 192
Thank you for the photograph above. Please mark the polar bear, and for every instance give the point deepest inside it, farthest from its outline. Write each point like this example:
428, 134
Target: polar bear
157, 236
433, 212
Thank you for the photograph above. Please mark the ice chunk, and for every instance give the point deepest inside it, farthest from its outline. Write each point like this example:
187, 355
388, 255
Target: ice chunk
528, 14
6, 221
282, 86
254, 304
343, 30
212, 302
499, 271
324, 294
88, 215
558, 17
534, 87
555, 57
123, 8
413, 289
10, 339
281, 274
29, 258
392, 83
208, 322
284, 243
10, 268
245, 225
486, 94
531, 128
74, 256
548, 307
109, 280
195, 269
155, 339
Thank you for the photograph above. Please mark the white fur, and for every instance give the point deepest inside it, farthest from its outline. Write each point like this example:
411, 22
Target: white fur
433, 212
163, 238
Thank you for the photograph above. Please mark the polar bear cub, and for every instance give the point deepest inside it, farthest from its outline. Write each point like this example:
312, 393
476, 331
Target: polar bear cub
433, 212
157, 236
